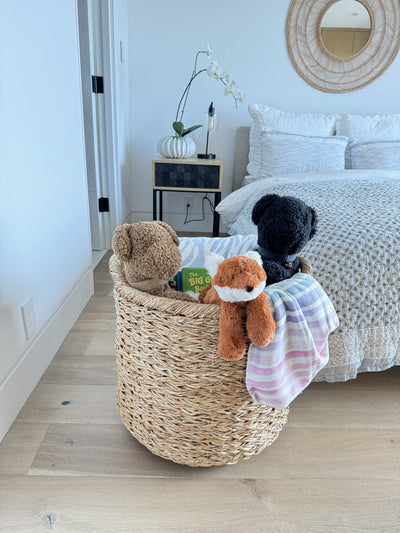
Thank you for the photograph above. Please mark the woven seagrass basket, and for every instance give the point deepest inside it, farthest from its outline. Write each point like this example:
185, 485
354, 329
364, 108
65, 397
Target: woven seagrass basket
175, 394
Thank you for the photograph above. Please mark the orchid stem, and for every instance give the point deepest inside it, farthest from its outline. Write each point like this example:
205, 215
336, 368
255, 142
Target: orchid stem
186, 92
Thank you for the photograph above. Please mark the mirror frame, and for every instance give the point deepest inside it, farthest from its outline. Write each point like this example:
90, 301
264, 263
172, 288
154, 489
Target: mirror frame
333, 74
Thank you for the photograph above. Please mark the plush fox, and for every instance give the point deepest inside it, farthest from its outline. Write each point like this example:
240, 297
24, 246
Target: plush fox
238, 283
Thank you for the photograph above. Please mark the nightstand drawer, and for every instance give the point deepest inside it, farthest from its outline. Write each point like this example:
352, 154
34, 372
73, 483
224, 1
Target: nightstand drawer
184, 175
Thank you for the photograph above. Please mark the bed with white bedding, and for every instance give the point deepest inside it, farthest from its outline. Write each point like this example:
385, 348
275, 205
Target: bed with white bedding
355, 254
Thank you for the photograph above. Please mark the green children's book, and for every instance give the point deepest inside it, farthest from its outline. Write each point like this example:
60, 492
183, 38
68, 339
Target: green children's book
192, 279
195, 279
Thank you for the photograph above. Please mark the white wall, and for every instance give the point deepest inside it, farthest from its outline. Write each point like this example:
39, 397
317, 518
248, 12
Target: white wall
44, 242
248, 38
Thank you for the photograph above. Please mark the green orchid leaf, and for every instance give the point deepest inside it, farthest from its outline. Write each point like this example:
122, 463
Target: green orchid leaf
192, 128
179, 128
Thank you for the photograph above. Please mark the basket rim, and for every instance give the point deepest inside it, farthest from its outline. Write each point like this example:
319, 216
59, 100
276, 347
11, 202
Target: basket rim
169, 305
158, 303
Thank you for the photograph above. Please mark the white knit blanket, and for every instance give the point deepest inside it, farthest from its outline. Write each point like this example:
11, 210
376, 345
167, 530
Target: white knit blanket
355, 257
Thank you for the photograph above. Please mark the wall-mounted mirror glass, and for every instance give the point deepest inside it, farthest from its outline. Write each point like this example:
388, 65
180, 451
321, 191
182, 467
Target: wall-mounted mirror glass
345, 28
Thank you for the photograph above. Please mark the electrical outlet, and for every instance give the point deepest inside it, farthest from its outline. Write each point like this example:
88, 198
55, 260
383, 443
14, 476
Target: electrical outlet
188, 201
29, 318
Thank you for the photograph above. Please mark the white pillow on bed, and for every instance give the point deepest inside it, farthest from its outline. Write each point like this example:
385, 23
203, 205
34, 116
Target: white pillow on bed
375, 154
368, 128
265, 117
284, 153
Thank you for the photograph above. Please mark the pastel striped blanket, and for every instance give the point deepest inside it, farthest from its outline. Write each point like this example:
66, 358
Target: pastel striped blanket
304, 318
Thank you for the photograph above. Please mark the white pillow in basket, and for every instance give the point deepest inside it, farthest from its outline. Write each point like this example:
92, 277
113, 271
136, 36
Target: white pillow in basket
368, 128
265, 117
194, 250
286, 153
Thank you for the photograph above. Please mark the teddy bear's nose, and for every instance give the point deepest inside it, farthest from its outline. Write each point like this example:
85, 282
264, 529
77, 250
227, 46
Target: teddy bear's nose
249, 288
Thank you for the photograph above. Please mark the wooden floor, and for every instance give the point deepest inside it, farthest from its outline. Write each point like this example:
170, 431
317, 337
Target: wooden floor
69, 465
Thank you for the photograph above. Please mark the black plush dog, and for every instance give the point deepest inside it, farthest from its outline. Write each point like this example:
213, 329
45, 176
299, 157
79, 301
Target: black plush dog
285, 224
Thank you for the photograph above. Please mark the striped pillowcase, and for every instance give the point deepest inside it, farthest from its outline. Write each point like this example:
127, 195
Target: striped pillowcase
375, 154
286, 153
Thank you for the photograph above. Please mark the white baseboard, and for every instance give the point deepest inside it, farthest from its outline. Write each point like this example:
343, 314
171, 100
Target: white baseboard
25, 375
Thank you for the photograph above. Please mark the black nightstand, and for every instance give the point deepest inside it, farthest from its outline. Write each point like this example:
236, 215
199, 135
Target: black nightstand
187, 175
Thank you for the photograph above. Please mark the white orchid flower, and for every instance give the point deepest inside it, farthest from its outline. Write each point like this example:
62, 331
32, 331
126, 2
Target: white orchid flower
231, 88
208, 50
216, 71
239, 98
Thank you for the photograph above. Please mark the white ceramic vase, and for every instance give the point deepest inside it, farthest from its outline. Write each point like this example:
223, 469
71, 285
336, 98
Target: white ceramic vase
176, 147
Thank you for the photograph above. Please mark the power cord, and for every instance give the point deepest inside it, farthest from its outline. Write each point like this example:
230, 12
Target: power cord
186, 221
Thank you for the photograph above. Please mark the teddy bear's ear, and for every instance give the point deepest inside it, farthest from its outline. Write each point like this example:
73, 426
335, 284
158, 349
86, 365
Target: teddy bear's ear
255, 255
314, 222
122, 244
174, 236
212, 262
261, 206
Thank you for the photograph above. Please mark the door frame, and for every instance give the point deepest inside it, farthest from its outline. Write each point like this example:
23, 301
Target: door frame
100, 15
109, 119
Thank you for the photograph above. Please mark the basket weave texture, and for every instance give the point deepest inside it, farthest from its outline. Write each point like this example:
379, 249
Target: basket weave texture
175, 394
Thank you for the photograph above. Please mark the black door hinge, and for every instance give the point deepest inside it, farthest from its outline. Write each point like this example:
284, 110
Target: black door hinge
104, 205
97, 84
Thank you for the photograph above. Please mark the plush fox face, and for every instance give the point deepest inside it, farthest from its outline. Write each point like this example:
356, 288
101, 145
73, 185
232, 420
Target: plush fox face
237, 279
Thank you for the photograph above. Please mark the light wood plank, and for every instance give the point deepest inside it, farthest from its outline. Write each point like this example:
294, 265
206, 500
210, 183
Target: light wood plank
109, 450
76, 342
346, 409
80, 370
95, 322
19, 447
102, 271
91, 404
102, 344
77, 505
103, 283
100, 304
103, 289
99, 450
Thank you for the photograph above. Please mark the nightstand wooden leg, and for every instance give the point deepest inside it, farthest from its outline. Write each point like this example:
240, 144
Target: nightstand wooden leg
217, 199
154, 205
160, 198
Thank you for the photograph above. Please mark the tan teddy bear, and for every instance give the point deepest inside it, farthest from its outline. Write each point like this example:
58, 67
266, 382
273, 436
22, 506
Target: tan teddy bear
150, 255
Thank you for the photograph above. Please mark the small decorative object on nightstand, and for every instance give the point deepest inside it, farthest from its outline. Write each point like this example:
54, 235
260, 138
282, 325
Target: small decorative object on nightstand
211, 120
187, 175
176, 147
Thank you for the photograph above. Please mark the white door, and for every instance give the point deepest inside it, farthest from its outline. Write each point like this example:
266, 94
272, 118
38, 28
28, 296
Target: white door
91, 52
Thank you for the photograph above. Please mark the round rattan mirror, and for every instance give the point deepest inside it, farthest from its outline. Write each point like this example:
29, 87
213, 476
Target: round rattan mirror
336, 73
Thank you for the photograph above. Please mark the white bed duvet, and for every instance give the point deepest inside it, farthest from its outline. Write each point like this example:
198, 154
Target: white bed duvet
355, 256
